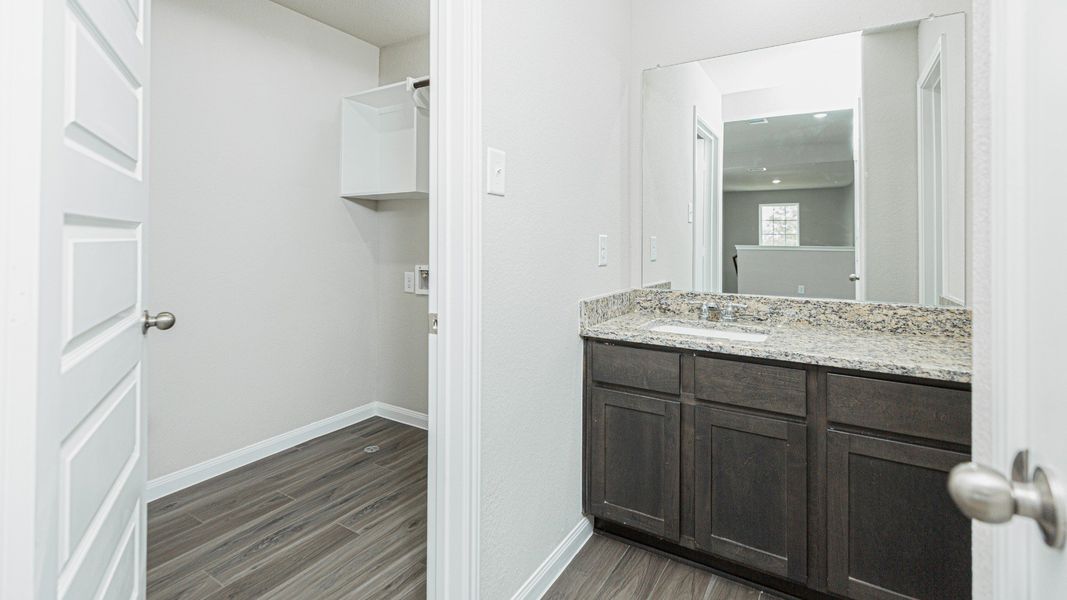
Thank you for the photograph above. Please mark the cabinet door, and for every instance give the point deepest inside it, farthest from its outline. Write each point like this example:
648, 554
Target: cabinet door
751, 490
893, 532
634, 461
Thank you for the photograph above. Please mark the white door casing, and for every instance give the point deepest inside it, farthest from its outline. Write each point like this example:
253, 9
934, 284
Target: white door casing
941, 110
706, 209
1027, 325
456, 191
90, 525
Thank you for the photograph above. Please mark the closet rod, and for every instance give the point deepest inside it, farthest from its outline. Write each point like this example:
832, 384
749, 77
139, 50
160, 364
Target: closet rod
421, 83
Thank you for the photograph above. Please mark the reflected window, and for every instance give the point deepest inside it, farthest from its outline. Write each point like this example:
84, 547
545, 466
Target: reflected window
779, 224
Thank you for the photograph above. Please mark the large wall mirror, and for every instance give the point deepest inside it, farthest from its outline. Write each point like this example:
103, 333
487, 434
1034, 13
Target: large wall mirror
829, 168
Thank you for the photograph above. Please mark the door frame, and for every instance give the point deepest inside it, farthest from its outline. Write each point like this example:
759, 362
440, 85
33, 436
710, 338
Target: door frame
454, 394
932, 187
21, 68
710, 220
859, 204
1000, 328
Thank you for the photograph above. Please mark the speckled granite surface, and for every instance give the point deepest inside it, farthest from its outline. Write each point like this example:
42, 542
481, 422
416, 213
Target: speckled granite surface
899, 339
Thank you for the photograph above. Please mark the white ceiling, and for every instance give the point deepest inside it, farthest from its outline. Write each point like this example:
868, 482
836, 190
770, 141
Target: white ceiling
824, 61
801, 151
379, 22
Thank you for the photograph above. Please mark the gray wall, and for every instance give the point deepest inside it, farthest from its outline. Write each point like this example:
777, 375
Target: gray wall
826, 219
403, 242
554, 96
410, 58
890, 141
246, 220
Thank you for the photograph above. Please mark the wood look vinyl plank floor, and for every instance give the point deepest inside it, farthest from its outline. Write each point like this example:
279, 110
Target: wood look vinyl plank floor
321, 520
606, 568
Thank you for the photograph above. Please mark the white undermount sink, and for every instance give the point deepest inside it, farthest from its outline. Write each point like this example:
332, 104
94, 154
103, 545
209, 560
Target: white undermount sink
707, 332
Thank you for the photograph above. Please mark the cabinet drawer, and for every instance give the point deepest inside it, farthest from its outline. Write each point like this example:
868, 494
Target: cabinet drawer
636, 368
904, 408
765, 387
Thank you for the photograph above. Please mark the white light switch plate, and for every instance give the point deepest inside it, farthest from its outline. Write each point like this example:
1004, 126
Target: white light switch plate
653, 249
602, 251
409, 282
496, 171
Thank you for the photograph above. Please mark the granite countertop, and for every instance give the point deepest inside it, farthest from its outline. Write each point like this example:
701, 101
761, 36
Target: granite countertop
935, 348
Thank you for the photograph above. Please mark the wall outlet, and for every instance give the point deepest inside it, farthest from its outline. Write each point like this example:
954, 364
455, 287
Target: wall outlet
409, 282
602, 251
800, 289
653, 250
422, 280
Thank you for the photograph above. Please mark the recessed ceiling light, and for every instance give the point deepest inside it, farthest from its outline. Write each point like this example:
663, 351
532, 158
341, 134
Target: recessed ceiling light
819, 115
776, 181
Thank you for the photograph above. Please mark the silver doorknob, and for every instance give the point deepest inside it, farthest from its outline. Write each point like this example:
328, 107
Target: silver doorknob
853, 277
984, 494
163, 320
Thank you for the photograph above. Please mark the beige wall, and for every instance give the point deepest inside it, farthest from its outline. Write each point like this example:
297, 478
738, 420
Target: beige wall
272, 276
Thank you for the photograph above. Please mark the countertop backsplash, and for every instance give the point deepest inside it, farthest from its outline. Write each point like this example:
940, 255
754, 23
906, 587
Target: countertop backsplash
907, 319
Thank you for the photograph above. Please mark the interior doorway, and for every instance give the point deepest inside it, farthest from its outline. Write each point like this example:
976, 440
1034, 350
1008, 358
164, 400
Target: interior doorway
705, 211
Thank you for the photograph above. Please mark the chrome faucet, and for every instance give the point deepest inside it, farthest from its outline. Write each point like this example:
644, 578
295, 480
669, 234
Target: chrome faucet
705, 309
729, 312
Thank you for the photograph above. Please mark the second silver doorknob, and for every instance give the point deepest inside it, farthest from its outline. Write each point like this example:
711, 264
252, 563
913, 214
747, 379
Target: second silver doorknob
163, 321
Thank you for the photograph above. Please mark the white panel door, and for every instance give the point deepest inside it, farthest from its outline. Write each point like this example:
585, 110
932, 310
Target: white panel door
90, 529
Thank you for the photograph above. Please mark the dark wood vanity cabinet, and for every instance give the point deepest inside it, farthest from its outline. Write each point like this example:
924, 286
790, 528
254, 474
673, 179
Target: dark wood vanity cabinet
634, 455
818, 482
893, 533
750, 490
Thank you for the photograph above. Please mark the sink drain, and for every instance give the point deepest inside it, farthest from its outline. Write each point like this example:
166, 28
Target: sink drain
370, 449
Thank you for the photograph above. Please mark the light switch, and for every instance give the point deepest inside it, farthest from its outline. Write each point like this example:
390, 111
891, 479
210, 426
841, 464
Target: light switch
409, 282
496, 172
653, 250
690, 212
602, 251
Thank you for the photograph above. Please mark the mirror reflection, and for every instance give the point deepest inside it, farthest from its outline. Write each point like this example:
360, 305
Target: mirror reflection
830, 168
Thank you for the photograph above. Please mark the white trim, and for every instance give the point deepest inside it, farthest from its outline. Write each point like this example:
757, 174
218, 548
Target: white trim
401, 415
798, 248
22, 574
859, 202
553, 566
930, 74
456, 193
708, 267
192, 475
1009, 72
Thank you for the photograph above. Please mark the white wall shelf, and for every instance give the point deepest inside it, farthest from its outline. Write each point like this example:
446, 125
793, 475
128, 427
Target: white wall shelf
385, 145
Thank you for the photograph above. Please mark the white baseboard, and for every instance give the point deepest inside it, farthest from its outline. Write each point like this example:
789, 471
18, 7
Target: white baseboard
402, 415
556, 563
181, 479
